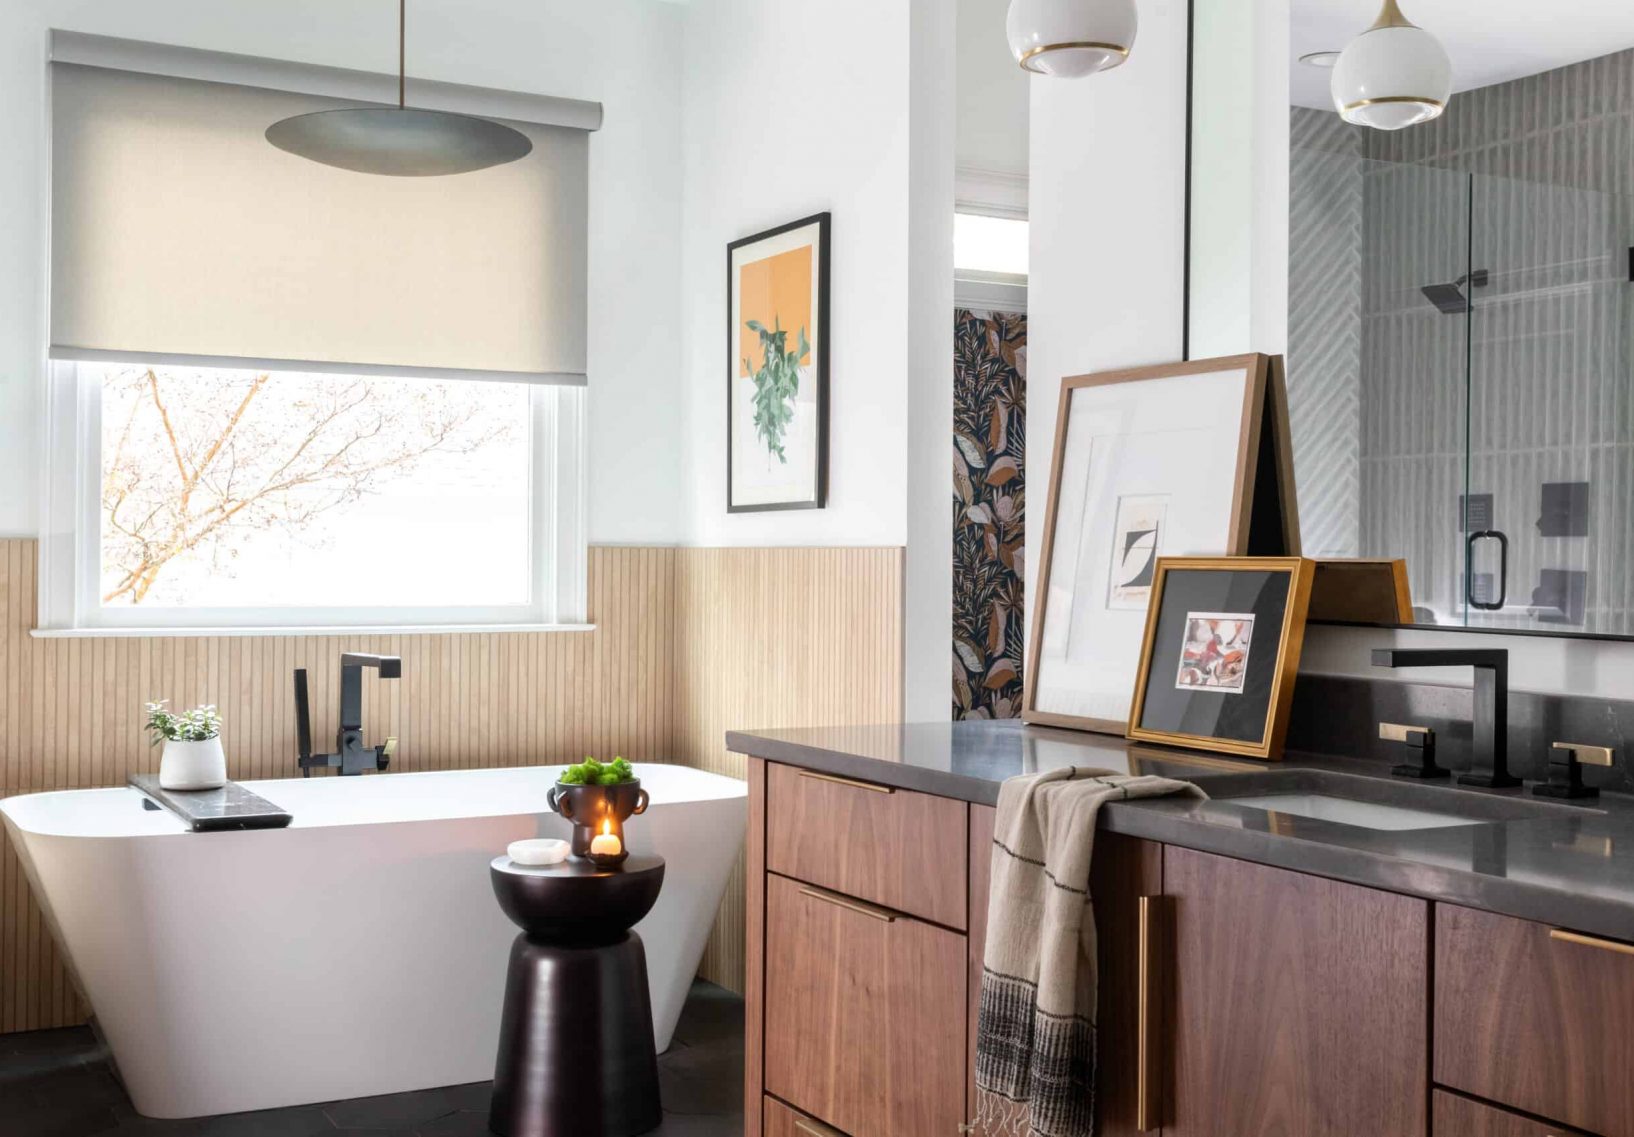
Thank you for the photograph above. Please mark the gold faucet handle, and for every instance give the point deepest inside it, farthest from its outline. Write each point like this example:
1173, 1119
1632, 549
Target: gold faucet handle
1399, 732
1586, 754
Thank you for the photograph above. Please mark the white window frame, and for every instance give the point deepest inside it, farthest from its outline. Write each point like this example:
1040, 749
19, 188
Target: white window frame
71, 542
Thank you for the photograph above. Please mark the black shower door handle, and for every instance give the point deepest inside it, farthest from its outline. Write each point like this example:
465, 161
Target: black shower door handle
1503, 569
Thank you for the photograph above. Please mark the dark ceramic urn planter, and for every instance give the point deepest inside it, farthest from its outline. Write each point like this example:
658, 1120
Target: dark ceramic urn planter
599, 809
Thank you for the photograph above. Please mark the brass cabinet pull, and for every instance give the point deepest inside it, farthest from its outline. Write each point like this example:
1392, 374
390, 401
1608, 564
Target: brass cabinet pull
852, 782
1590, 941
880, 914
1146, 1014
815, 1129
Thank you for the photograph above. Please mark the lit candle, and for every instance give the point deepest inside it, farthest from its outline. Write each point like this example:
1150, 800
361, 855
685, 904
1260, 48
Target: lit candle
606, 843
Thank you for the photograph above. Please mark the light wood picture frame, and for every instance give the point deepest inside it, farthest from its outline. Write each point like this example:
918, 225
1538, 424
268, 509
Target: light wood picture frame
1205, 681
1360, 590
1187, 443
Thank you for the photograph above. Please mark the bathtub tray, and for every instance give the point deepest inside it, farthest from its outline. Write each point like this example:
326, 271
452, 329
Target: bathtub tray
230, 807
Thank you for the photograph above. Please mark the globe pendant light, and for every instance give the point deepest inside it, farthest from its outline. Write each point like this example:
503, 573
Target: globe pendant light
1393, 75
1070, 38
400, 141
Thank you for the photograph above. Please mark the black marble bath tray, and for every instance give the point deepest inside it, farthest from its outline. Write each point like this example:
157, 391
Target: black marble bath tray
230, 807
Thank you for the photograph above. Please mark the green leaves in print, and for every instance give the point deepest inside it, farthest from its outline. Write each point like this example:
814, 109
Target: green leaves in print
776, 383
989, 444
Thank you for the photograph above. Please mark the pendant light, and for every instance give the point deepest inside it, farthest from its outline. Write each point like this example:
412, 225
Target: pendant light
1393, 75
1070, 38
400, 141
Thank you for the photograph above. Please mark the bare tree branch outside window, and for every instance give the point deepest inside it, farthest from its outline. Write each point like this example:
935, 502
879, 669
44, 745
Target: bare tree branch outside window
197, 462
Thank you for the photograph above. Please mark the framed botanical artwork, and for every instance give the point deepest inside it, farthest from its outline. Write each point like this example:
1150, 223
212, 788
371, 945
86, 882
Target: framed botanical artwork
777, 368
1221, 652
1149, 462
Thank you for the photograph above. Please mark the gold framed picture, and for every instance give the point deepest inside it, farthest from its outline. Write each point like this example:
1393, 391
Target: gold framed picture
1221, 652
1179, 459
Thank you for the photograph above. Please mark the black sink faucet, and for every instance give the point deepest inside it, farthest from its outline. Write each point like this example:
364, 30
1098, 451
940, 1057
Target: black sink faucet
1491, 718
351, 756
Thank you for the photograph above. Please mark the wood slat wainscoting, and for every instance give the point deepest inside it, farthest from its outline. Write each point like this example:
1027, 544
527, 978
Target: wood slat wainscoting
779, 638
71, 709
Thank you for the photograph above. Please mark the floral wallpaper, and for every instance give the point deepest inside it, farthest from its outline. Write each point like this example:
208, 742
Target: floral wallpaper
989, 447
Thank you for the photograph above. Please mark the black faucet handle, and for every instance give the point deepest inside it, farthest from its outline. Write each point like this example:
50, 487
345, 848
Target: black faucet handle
1566, 762
1420, 741
383, 753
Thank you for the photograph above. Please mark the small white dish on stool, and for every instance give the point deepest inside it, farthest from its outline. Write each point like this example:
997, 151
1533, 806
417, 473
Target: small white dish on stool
538, 851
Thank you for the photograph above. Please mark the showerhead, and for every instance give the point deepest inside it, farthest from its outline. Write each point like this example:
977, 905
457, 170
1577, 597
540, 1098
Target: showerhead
1448, 298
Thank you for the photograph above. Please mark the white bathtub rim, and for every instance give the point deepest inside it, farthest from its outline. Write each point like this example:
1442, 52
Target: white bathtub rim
727, 788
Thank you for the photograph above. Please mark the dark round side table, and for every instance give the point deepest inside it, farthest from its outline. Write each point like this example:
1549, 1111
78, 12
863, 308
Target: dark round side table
576, 1055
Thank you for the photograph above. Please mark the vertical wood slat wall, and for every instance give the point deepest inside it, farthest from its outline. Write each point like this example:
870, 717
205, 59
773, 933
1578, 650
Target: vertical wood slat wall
779, 638
689, 643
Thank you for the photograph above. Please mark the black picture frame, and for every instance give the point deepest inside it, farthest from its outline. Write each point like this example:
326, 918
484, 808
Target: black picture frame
821, 344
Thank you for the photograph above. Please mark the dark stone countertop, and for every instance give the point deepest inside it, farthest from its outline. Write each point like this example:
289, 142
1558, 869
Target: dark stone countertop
1570, 864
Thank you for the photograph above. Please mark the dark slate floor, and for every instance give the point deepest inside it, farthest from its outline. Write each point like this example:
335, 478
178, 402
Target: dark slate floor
57, 1083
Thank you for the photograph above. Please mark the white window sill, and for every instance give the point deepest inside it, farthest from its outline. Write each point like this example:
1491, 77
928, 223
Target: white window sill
360, 630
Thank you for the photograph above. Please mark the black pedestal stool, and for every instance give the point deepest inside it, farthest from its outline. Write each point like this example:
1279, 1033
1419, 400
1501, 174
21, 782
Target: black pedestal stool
576, 1054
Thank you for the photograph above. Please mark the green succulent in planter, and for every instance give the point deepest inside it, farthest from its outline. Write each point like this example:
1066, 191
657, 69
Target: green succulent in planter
776, 383
593, 773
197, 725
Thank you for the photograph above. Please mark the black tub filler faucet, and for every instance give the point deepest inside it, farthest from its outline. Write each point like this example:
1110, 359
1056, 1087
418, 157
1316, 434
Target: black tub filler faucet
351, 756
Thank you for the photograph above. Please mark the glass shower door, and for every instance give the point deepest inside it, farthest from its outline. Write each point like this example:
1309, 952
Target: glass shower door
1414, 384
1551, 407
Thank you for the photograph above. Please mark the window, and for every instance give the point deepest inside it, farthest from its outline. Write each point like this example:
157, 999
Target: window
990, 244
989, 262
216, 497
287, 396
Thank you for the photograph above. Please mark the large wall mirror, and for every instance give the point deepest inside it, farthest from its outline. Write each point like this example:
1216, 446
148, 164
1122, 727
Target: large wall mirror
1458, 312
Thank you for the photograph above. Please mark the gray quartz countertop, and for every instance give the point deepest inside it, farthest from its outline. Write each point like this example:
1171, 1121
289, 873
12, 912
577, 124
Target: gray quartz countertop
1566, 864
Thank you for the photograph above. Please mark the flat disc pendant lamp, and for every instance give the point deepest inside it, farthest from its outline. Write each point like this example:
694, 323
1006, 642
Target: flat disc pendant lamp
400, 141
1069, 39
1393, 75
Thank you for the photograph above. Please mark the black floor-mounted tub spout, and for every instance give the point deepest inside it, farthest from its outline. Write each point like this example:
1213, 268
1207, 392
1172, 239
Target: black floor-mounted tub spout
351, 755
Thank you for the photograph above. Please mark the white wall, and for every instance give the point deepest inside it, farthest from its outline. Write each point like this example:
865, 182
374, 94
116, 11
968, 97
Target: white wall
789, 111
1239, 239
621, 53
992, 92
1107, 185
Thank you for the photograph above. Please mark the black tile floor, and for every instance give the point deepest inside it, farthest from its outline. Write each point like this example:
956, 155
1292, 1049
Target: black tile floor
58, 1083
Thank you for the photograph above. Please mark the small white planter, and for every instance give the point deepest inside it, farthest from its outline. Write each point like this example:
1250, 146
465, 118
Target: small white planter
193, 765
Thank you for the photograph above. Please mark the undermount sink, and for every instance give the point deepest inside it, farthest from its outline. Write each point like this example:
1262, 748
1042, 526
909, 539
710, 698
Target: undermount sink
1346, 811
1371, 803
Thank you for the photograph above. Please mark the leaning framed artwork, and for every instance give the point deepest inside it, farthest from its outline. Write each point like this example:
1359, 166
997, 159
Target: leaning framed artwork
777, 368
1149, 462
1220, 653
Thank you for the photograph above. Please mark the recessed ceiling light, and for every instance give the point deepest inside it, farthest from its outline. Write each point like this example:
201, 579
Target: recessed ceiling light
1319, 58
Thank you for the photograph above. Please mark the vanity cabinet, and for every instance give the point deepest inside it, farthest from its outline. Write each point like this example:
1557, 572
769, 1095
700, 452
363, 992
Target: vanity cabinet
865, 1013
1236, 999
1535, 1017
1299, 1004
866, 918
1460, 1117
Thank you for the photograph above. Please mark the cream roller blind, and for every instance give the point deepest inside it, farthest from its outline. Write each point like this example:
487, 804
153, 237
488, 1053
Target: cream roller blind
179, 232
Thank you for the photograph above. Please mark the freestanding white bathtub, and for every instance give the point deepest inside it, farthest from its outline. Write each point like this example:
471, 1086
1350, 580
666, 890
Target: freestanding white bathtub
359, 951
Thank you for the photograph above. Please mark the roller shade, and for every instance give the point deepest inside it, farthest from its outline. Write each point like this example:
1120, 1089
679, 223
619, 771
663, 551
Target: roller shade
178, 232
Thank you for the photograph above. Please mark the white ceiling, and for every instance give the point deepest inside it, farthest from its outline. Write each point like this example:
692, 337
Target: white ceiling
1490, 41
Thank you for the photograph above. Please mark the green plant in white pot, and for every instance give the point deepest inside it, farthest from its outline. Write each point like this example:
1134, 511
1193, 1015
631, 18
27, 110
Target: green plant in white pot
192, 757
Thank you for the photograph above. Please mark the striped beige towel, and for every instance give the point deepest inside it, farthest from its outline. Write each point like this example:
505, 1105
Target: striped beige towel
1035, 1046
